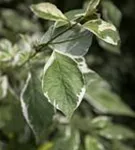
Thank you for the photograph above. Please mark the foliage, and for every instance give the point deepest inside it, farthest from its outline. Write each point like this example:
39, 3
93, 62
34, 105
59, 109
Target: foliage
49, 98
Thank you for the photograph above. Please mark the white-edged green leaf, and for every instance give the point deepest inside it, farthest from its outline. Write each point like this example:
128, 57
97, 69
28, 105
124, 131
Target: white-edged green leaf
111, 12
104, 100
36, 109
103, 30
91, 143
70, 141
63, 83
75, 41
48, 11
119, 132
109, 47
3, 86
74, 14
92, 7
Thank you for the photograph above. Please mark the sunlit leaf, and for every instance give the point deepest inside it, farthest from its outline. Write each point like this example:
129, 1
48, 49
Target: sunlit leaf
92, 7
63, 83
48, 11
103, 30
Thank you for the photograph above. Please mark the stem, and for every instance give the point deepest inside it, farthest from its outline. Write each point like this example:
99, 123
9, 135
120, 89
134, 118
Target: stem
30, 57
39, 47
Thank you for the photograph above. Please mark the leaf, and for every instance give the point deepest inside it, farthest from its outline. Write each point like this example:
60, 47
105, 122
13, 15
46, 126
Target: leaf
5, 50
48, 11
117, 145
92, 7
111, 12
74, 14
100, 122
3, 86
103, 99
75, 41
36, 109
11, 115
92, 143
117, 132
110, 130
63, 83
71, 141
46, 146
17, 23
103, 30
108, 47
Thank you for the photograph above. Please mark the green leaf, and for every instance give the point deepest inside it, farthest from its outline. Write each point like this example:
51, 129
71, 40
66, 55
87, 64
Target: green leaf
103, 99
63, 83
111, 130
117, 132
46, 146
48, 11
17, 23
103, 30
11, 118
100, 122
5, 50
111, 12
117, 145
92, 143
92, 7
74, 14
108, 47
70, 141
3, 86
75, 41
36, 109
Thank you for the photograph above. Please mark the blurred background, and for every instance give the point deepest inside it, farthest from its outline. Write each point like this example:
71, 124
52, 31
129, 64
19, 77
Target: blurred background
116, 65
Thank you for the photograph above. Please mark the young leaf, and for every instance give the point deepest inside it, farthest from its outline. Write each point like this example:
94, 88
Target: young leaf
75, 41
103, 99
63, 83
92, 143
103, 30
48, 11
92, 7
36, 109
